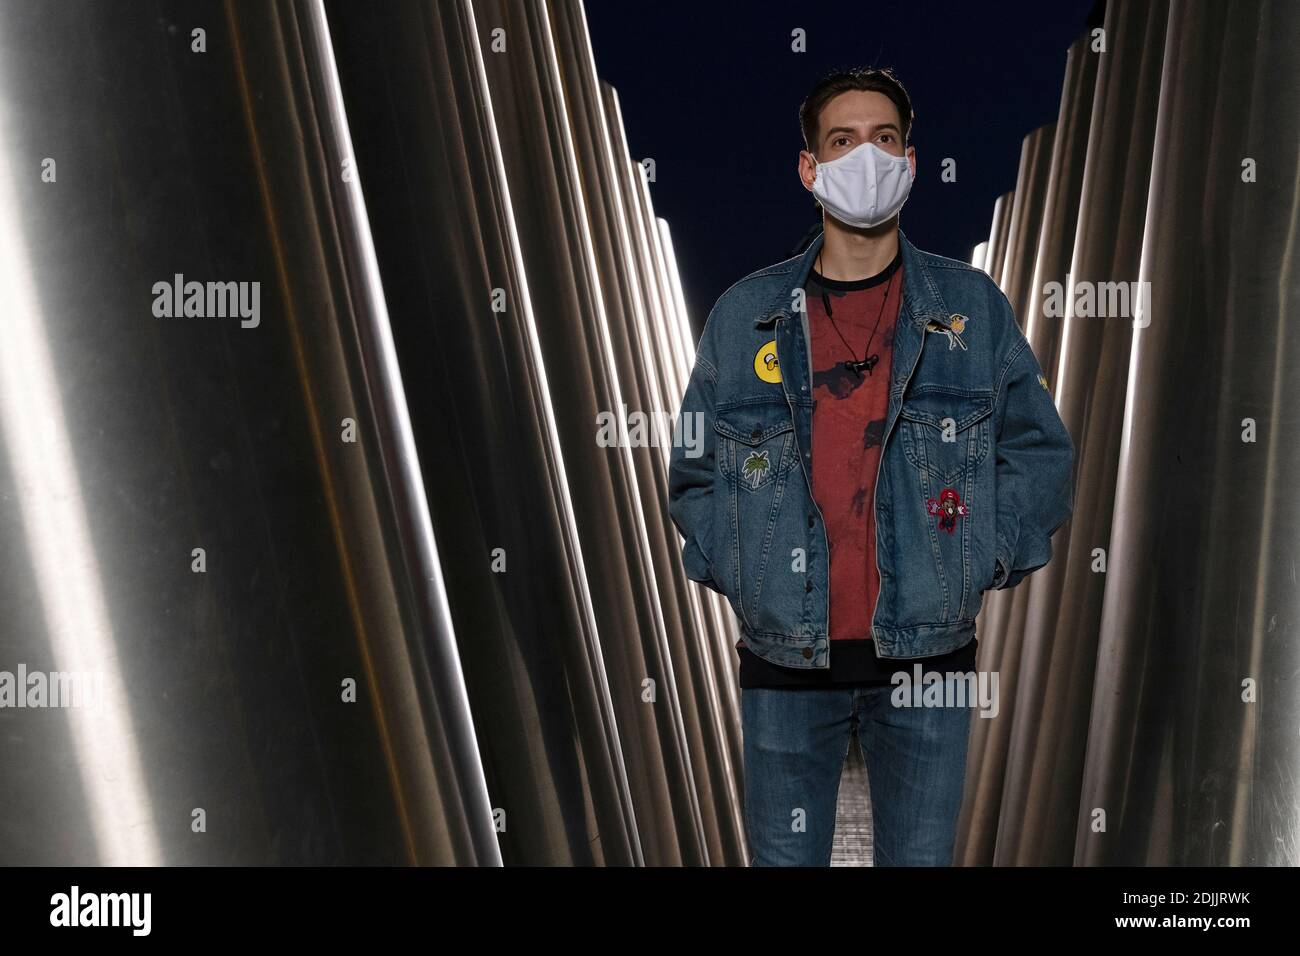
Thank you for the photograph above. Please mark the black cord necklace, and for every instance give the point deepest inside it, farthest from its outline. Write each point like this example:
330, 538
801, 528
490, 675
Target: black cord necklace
869, 362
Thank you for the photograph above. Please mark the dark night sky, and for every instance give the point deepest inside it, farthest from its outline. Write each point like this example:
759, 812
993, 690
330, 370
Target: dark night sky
711, 90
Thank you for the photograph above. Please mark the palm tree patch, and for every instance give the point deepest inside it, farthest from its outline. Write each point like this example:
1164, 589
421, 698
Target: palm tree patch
756, 466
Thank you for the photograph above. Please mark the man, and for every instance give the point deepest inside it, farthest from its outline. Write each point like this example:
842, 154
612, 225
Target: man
880, 448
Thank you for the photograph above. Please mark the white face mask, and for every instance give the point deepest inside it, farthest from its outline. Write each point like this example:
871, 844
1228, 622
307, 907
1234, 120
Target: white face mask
864, 187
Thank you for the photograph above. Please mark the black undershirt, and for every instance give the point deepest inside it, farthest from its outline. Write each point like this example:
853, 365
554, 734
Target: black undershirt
853, 664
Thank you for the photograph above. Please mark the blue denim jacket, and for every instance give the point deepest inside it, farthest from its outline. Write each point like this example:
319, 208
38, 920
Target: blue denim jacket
975, 469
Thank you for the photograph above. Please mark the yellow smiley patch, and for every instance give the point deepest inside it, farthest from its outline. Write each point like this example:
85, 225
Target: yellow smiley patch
766, 366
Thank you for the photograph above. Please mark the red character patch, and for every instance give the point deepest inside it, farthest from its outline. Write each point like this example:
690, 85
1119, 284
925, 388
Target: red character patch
948, 506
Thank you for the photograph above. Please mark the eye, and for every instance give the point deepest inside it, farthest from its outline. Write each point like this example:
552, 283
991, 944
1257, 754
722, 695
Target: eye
886, 137
840, 140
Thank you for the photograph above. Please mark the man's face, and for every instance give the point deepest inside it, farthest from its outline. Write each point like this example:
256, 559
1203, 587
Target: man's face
849, 120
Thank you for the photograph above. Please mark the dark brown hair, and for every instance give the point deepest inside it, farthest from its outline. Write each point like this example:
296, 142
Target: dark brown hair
867, 78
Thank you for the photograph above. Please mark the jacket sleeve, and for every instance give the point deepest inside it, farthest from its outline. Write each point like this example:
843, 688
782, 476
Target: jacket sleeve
1034, 468
691, 466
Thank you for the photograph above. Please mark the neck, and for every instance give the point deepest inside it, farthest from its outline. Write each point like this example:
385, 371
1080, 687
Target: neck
848, 253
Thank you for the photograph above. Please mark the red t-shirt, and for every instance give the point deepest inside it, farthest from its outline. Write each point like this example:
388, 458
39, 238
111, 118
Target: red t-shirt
848, 425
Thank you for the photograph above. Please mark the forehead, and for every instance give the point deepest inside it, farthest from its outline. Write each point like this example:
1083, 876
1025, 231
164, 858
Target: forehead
858, 108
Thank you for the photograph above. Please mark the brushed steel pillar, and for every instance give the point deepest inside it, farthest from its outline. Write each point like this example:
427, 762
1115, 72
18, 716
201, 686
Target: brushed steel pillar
996, 252
1026, 220
654, 348
1000, 625
451, 241
219, 514
1193, 756
1054, 687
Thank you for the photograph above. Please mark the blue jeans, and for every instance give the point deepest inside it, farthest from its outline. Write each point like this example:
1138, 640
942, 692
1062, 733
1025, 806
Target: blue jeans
795, 744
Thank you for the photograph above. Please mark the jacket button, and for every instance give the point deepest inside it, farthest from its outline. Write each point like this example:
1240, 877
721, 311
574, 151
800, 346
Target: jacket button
807, 653
807, 586
811, 523
757, 434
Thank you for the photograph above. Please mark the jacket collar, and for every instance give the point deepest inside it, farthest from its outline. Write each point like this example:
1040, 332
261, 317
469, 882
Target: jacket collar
921, 299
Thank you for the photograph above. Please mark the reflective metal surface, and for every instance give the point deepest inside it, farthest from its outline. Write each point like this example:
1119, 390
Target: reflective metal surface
483, 404
290, 693
655, 348
1063, 601
1014, 273
645, 650
1026, 219
1145, 713
1000, 624
995, 250
1192, 749
457, 262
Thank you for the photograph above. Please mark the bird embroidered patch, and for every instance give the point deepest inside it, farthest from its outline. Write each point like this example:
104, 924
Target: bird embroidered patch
956, 325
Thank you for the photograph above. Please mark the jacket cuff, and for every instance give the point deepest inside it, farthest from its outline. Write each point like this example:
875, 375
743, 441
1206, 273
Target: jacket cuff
697, 564
1002, 571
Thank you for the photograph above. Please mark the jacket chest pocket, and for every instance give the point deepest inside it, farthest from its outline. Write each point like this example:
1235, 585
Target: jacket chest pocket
753, 450
946, 432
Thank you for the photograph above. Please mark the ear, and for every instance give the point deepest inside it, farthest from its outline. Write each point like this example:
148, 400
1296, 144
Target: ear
807, 169
910, 152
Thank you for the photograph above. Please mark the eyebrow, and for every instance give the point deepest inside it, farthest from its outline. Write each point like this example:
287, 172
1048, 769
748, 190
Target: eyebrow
851, 130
